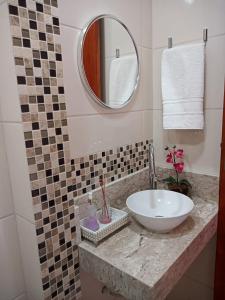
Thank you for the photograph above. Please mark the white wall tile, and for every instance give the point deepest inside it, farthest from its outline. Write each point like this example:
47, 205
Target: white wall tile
184, 20
89, 134
79, 13
148, 124
215, 72
30, 258
156, 73
6, 203
146, 23
11, 276
147, 78
9, 101
202, 148
18, 169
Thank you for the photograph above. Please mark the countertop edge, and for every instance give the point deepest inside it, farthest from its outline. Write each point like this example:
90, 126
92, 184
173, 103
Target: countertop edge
96, 266
105, 272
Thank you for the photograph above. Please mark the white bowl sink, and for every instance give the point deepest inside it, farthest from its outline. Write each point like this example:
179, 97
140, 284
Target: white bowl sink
160, 210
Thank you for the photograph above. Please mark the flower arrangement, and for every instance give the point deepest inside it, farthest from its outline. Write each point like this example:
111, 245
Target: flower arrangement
175, 157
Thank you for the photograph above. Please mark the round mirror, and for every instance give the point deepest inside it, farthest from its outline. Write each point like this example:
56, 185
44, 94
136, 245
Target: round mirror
108, 62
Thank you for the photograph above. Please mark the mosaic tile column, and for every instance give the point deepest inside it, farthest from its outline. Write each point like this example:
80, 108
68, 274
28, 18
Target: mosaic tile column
38, 61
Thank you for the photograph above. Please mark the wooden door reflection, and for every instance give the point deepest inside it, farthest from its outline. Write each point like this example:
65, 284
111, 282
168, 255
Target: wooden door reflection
92, 57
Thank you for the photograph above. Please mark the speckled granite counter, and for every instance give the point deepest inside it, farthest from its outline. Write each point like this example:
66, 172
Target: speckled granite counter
141, 265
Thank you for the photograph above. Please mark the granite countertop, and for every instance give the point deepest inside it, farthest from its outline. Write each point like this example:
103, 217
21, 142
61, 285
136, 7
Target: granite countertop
141, 265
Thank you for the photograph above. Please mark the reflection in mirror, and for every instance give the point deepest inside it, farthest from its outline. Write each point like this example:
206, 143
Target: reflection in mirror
109, 64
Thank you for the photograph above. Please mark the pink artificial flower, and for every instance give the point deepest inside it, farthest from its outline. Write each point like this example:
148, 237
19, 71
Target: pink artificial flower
179, 167
180, 153
169, 158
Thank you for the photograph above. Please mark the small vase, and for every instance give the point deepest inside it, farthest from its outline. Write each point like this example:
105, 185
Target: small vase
179, 188
105, 214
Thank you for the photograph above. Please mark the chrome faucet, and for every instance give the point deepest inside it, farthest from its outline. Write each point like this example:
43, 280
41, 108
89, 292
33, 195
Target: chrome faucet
152, 173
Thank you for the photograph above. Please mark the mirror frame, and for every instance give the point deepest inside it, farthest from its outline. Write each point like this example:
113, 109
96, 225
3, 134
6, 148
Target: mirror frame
84, 80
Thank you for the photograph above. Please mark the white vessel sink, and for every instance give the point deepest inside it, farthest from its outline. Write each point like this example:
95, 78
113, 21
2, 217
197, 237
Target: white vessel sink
160, 210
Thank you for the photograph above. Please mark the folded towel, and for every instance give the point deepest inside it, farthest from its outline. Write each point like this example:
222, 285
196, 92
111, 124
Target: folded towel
183, 87
123, 74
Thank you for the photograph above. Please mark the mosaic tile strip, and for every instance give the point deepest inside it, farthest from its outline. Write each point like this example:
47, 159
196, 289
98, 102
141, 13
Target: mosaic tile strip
113, 164
38, 61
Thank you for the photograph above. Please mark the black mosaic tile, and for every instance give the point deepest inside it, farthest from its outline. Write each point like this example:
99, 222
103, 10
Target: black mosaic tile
50, 116
24, 108
55, 21
58, 57
39, 7
47, 90
26, 43
53, 73
37, 63
13, 10
61, 90
22, 3
42, 36
38, 80
33, 24
44, 55
21, 80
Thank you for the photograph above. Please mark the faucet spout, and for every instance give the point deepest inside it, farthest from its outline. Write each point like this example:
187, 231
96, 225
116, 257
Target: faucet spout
152, 172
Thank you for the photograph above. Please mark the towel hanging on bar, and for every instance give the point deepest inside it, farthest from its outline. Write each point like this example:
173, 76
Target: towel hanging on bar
183, 87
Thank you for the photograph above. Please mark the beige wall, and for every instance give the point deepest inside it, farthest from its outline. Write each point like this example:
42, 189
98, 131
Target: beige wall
93, 128
184, 21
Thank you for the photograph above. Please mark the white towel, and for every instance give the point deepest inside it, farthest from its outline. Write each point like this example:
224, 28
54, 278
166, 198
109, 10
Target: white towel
123, 74
183, 87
